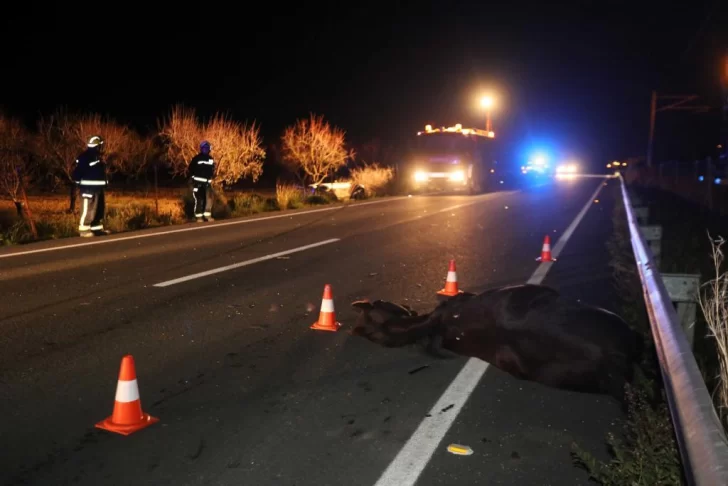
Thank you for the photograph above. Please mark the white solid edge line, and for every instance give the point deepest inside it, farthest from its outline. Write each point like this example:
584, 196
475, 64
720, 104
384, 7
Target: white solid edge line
406, 467
197, 228
411, 460
245, 263
543, 269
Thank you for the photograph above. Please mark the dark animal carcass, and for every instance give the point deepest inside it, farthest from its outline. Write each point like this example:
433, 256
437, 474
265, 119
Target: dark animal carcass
529, 331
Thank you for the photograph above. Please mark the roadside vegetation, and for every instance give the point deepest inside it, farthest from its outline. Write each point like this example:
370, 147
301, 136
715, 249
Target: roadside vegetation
38, 198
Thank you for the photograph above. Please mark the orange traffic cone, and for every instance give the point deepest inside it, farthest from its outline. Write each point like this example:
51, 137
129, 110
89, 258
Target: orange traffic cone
327, 316
127, 416
451, 283
546, 251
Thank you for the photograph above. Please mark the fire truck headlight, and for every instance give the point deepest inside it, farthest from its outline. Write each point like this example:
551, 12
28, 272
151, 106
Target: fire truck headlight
420, 176
458, 175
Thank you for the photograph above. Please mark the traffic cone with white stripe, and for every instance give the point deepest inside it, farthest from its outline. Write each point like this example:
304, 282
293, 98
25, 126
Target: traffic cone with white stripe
546, 251
451, 282
327, 316
127, 416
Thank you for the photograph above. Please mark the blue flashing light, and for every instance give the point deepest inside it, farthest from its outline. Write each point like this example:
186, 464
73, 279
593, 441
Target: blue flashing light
717, 180
539, 159
701, 178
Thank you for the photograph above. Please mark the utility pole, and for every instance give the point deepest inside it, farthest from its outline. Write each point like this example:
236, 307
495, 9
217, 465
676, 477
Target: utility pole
653, 107
724, 132
676, 103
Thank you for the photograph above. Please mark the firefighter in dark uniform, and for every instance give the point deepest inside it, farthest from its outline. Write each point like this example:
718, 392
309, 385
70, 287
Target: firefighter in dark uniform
202, 170
90, 175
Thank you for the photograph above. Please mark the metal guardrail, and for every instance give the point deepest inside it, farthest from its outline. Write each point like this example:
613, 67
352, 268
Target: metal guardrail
700, 436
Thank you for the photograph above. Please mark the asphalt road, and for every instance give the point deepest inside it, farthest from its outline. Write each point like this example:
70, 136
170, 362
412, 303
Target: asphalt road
245, 392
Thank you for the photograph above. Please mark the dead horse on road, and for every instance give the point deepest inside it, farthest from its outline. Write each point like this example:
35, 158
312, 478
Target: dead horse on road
528, 331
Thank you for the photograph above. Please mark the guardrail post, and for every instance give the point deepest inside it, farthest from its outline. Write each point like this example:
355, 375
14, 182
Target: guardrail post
643, 214
636, 200
683, 291
652, 234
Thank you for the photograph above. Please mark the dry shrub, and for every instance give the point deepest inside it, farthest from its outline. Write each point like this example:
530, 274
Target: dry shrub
123, 213
132, 216
236, 148
289, 196
714, 304
372, 178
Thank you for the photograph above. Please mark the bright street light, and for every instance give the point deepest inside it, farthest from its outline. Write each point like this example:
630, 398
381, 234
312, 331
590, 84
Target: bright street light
487, 102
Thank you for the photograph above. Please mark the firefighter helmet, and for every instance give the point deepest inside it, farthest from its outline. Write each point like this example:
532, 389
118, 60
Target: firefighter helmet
95, 141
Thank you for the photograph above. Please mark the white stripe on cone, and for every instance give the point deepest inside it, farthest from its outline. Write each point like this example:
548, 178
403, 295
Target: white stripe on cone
452, 277
127, 391
327, 305
546, 247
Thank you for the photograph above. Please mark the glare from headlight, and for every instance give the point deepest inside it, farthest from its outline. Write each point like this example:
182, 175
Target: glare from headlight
420, 176
457, 175
566, 169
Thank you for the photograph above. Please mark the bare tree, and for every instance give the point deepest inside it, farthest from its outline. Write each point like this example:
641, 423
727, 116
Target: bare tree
15, 167
138, 154
238, 150
14, 159
121, 144
313, 149
63, 136
182, 134
236, 147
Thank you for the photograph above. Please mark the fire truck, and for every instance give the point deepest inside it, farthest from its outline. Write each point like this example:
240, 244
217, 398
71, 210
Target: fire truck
453, 158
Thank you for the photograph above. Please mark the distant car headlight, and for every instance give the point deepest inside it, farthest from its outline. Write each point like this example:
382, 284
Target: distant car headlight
458, 175
420, 176
566, 169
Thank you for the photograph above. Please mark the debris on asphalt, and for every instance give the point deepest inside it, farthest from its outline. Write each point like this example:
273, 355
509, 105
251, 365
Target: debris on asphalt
515, 455
460, 450
373, 274
447, 408
412, 372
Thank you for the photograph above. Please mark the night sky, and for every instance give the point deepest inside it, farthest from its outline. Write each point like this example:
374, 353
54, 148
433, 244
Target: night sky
574, 77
